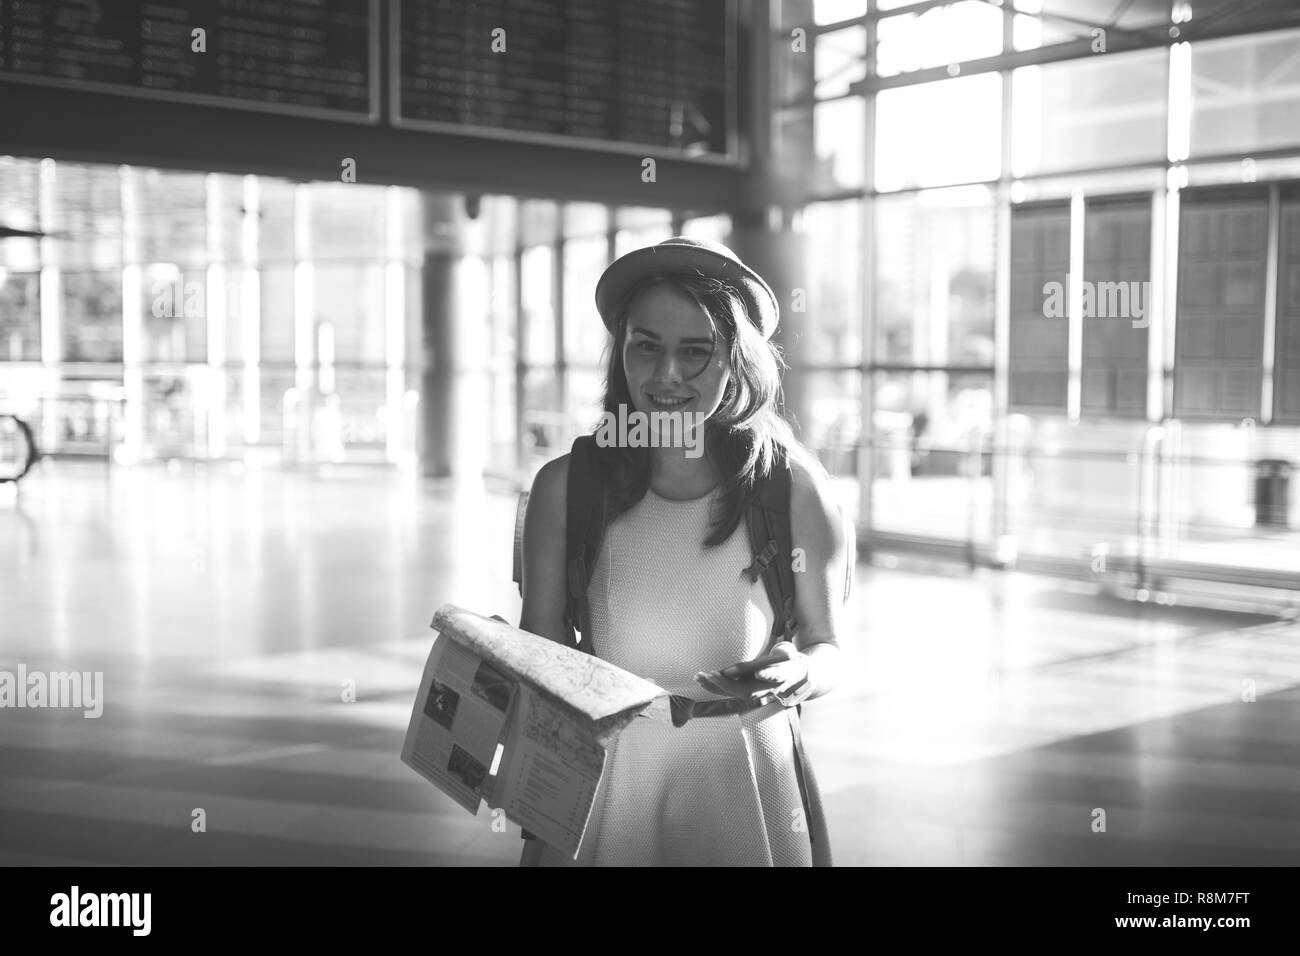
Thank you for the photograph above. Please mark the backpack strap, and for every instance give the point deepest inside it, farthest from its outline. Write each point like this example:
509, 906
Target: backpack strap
584, 527
521, 511
772, 541
769, 535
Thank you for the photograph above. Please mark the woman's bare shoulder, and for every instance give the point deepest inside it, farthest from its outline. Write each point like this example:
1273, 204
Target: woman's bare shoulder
813, 507
808, 476
550, 484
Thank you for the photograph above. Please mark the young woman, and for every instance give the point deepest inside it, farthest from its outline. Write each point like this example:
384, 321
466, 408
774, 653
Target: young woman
667, 600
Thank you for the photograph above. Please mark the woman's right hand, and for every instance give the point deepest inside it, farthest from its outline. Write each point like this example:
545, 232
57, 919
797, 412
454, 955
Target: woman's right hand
780, 672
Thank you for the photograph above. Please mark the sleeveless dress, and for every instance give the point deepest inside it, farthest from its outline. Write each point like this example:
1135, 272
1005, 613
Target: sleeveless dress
720, 790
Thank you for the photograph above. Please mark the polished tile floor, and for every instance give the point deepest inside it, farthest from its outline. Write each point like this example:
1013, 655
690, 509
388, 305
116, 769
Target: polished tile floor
984, 719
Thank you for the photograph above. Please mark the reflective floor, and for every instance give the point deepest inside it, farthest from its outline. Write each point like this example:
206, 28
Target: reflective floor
984, 719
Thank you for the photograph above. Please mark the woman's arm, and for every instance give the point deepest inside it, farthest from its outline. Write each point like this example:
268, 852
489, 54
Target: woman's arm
544, 583
822, 552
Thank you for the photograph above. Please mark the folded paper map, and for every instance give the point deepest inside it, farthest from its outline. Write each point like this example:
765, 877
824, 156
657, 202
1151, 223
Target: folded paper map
606, 695
521, 721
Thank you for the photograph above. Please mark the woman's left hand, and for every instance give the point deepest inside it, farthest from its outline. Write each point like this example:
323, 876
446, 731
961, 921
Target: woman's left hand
781, 674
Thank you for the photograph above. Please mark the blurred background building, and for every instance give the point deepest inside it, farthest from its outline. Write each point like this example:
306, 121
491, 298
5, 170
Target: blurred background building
919, 172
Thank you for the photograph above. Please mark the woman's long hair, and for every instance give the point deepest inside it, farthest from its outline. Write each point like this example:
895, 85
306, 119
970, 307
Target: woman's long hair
747, 437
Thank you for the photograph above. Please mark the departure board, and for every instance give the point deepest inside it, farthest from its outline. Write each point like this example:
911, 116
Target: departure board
639, 76
615, 74
307, 57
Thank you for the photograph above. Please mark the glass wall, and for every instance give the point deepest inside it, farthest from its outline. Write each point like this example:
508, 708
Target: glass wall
172, 314
1044, 323
188, 315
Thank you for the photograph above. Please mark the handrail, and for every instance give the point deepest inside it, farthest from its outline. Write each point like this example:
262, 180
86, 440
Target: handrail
1085, 453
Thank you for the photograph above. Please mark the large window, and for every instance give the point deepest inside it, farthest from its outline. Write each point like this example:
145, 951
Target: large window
173, 309
839, 61
935, 274
831, 323
20, 316
1105, 111
937, 36
940, 133
640, 226
1245, 93
92, 316
20, 310
929, 470
586, 254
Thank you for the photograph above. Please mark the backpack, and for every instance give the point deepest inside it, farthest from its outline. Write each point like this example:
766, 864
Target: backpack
768, 521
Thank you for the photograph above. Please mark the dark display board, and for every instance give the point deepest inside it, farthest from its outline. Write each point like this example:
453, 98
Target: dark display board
1040, 345
638, 76
1286, 381
306, 57
1117, 266
628, 75
1222, 277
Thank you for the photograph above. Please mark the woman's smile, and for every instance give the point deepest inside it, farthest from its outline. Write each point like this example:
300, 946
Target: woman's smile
667, 401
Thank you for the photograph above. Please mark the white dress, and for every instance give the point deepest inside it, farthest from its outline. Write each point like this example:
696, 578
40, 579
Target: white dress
719, 790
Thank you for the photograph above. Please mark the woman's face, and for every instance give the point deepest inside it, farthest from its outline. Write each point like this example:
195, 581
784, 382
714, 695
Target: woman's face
669, 354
